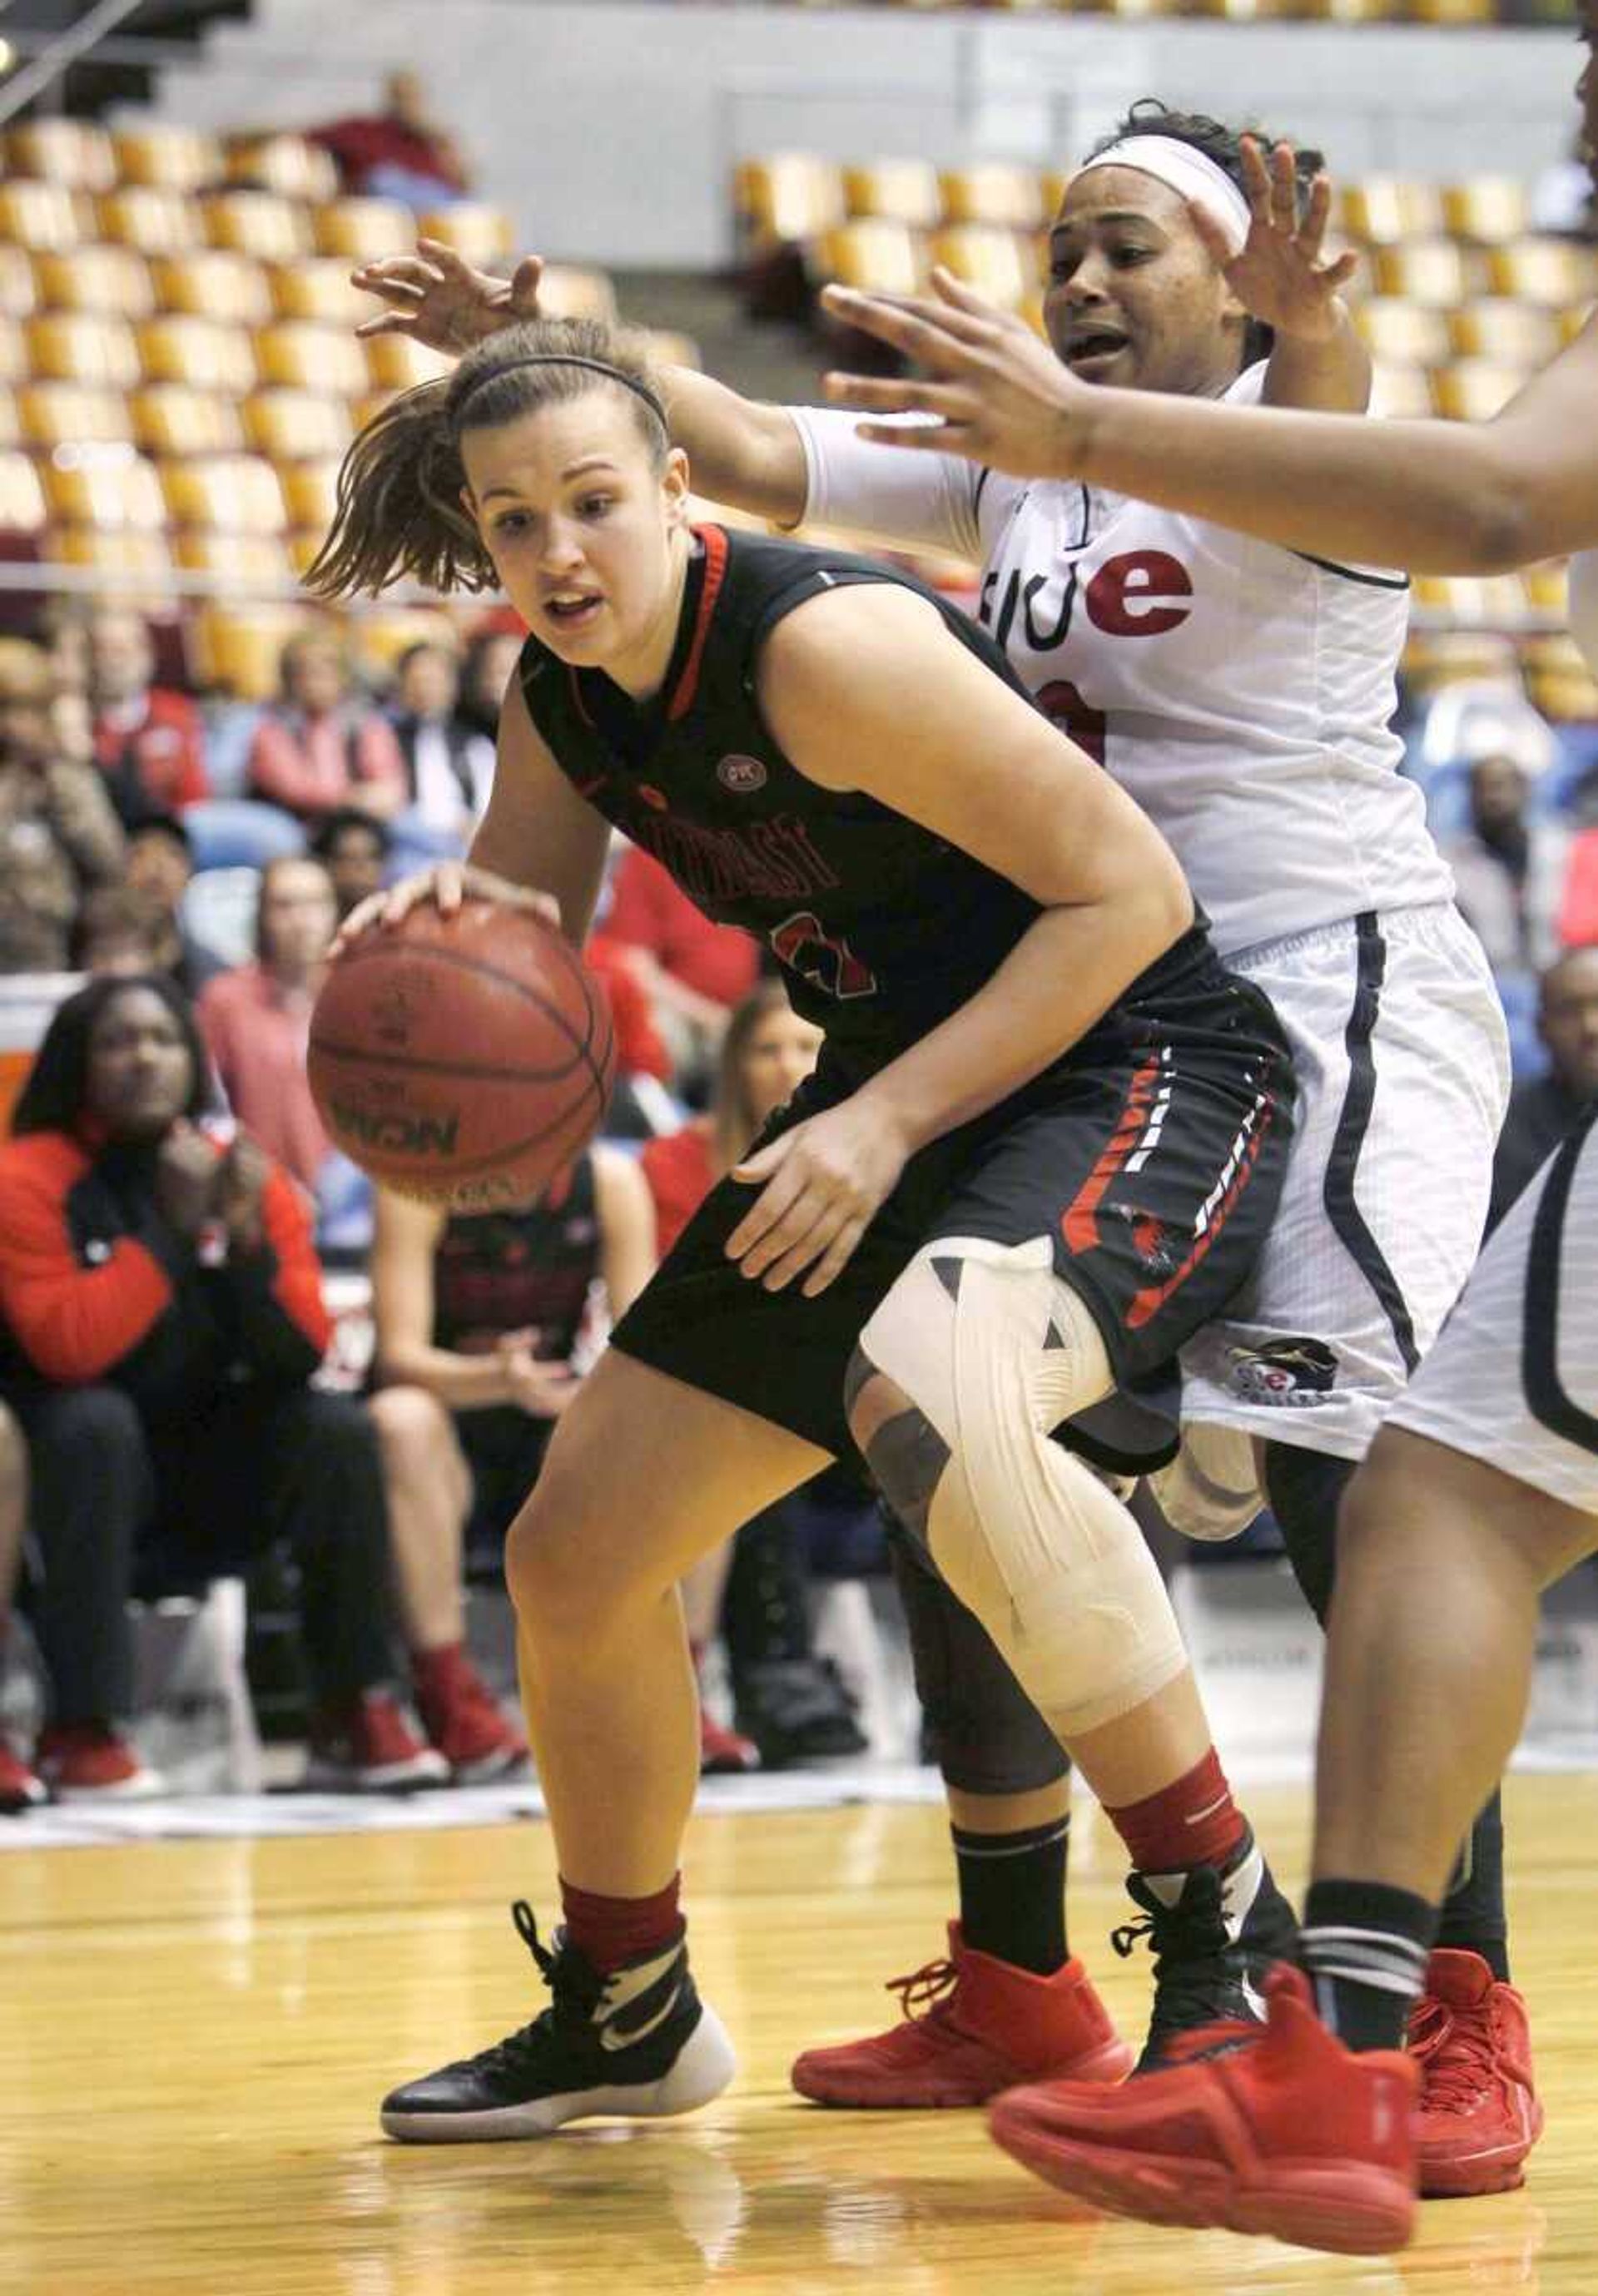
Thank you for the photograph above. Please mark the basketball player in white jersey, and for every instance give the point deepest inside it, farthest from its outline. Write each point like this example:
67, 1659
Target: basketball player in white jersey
1241, 694
1482, 1489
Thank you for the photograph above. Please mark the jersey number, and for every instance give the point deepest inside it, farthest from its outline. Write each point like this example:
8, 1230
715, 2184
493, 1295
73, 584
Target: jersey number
1064, 707
802, 944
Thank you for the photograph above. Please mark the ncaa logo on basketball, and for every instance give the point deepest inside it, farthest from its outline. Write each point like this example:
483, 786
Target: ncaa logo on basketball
741, 775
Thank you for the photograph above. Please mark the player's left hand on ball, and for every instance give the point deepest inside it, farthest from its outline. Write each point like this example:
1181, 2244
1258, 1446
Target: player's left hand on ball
446, 884
820, 1187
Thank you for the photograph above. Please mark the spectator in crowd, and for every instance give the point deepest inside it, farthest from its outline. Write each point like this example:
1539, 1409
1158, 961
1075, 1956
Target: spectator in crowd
353, 848
793, 1706
479, 1319
692, 971
255, 1019
1509, 869
488, 667
449, 765
58, 831
120, 930
160, 863
20, 1787
1540, 1113
320, 746
149, 742
163, 1314
397, 153
1579, 904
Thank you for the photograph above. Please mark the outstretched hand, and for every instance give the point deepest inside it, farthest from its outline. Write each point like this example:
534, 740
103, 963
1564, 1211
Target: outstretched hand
995, 390
445, 885
438, 299
1277, 274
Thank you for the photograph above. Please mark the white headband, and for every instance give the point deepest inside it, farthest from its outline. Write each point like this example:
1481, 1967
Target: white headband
1189, 172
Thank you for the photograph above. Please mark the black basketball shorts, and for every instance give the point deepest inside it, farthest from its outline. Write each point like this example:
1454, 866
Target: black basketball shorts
1152, 1156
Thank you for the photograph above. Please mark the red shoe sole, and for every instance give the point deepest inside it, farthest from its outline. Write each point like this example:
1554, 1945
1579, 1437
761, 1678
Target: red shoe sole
1501, 2171
912, 2092
1351, 2211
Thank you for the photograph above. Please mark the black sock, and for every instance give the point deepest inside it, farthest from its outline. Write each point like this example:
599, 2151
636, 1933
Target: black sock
1012, 1894
1363, 1948
1474, 1917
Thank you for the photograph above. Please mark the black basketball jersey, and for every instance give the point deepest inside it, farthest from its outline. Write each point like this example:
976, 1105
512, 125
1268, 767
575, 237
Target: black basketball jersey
881, 928
514, 1271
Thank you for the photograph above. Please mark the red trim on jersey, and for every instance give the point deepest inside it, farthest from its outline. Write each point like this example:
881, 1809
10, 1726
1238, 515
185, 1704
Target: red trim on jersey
715, 541
1080, 1224
1149, 1301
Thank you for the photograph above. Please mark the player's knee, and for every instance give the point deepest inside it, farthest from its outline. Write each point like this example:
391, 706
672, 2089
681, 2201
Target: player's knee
904, 1451
410, 1423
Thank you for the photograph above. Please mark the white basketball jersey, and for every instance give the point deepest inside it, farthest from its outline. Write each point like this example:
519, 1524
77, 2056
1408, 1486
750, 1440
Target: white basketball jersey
1241, 693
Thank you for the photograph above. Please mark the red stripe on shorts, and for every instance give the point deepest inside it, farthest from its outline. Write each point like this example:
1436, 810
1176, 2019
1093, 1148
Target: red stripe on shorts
1079, 1224
1148, 1302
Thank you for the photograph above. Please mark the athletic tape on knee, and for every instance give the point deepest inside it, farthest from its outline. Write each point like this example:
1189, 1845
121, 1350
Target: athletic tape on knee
1209, 1490
995, 1350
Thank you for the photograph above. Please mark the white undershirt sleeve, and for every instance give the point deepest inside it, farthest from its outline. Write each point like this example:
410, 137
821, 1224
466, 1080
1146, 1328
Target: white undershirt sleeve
926, 501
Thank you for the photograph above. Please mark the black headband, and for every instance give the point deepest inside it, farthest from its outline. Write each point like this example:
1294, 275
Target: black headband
639, 388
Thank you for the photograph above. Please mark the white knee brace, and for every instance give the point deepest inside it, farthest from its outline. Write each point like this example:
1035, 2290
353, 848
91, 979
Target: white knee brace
1209, 1490
995, 1350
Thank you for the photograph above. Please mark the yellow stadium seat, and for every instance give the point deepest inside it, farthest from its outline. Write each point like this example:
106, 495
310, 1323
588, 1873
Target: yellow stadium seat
483, 236
1246, 11
572, 291
117, 550
1488, 208
1475, 389
287, 166
233, 290
73, 414
1438, 272
170, 418
301, 355
72, 347
379, 638
1548, 587
21, 497
317, 287
42, 216
238, 650
260, 560
19, 295
788, 198
360, 230
1001, 264
1357, 11
15, 364
397, 362
1488, 602
1402, 333
906, 191
202, 353
10, 420
114, 280
172, 158
111, 487
71, 153
1572, 320
258, 224
1401, 394
1453, 11
1555, 272
311, 492
291, 426
667, 347
224, 493
150, 218
871, 252
993, 194
1497, 327
1384, 209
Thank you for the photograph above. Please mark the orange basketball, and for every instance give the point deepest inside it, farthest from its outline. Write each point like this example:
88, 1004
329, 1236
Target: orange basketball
462, 1060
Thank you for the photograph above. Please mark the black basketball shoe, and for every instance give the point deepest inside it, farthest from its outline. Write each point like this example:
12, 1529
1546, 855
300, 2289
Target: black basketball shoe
638, 2043
1214, 1932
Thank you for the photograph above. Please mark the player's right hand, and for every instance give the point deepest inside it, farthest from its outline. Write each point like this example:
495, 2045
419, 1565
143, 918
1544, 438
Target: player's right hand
446, 885
437, 297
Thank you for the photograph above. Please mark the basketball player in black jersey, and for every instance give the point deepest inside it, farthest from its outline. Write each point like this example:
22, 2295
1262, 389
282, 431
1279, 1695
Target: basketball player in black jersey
1043, 1139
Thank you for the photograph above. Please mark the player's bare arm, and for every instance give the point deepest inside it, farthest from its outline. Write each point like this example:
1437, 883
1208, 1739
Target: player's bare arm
743, 453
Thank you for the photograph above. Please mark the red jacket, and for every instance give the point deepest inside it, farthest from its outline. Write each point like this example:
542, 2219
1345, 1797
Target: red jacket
639, 1051
158, 764
680, 1168
650, 911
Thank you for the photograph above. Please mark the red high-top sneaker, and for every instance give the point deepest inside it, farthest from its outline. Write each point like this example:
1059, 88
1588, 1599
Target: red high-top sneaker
1480, 2113
983, 2026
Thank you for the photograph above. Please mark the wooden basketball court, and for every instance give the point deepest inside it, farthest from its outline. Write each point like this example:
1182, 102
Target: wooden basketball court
193, 2037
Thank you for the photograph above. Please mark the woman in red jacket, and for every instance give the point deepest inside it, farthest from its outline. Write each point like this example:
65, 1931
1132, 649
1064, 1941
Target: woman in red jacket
162, 1317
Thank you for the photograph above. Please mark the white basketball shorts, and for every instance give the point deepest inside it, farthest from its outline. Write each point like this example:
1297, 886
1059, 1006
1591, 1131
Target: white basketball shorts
1402, 1061
1513, 1380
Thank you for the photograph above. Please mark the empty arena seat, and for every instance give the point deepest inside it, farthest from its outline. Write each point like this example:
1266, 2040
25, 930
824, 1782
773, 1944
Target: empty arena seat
240, 648
1401, 394
172, 158
317, 288
1492, 602
359, 231
1003, 264
171, 418
1555, 272
10, 419
42, 216
111, 488
1380, 210
1500, 327
576, 291
905, 189
1400, 333
23, 509
1548, 587
76, 346
115, 280
379, 637
117, 550
183, 348
212, 283
1439, 272
293, 426
71, 152
151, 218
310, 491
69, 413
19, 292
399, 363
993, 194
299, 355
788, 198
479, 233
285, 165
1488, 208
1571, 322
1473, 391
258, 562
667, 347
258, 224
15, 365
871, 252
224, 493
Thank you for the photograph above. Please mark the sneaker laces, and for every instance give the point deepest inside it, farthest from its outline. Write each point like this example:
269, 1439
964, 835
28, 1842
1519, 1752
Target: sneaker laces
574, 1985
1191, 1990
922, 1997
1455, 2053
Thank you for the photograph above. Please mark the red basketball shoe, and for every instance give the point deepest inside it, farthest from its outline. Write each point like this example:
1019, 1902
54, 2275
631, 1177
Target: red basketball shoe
1283, 2131
1480, 2113
984, 2026
462, 1719
90, 1761
20, 1788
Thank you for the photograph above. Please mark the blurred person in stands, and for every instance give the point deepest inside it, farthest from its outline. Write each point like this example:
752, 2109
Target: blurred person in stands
20, 1787
59, 834
160, 863
449, 765
149, 742
354, 848
397, 153
488, 666
480, 1322
1509, 867
120, 930
255, 1019
694, 972
1543, 1112
321, 745
162, 1314
755, 1590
